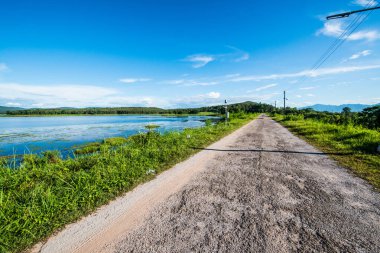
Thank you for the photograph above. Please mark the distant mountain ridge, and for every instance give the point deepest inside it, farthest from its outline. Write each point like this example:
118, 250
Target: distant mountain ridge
4, 109
338, 108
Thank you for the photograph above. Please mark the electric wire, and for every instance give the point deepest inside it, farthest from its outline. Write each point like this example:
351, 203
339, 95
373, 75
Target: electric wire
337, 43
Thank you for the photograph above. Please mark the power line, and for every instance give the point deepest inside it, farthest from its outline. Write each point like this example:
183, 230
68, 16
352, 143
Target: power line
347, 14
339, 40
343, 40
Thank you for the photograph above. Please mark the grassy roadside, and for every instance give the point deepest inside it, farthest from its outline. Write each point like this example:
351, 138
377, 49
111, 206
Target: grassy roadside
46, 193
359, 142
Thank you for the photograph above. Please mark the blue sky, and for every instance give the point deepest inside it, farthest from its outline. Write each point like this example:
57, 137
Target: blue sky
184, 53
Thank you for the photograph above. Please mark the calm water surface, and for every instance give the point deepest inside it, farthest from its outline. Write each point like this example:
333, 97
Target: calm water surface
24, 135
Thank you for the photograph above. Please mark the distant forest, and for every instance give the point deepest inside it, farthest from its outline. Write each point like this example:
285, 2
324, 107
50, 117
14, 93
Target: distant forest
248, 107
368, 118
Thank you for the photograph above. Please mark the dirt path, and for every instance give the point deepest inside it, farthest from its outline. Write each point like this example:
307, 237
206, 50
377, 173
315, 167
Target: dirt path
265, 201
260, 189
101, 231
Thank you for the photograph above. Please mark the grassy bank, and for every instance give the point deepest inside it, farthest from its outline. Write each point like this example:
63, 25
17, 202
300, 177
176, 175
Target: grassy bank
358, 142
46, 193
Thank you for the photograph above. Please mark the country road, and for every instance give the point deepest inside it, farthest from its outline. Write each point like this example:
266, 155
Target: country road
260, 189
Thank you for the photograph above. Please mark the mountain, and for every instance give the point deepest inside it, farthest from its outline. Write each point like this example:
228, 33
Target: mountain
338, 108
4, 109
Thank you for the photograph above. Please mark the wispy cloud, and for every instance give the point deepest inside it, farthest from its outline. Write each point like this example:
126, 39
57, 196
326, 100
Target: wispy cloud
308, 73
308, 88
266, 87
3, 67
12, 104
54, 95
331, 29
365, 3
212, 95
369, 35
244, 57
360, 54
190, 82
238, 55
200, 60
335, 28
134, 80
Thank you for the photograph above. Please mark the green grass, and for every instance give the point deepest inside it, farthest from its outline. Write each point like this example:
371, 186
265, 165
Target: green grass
358, 142
46, 192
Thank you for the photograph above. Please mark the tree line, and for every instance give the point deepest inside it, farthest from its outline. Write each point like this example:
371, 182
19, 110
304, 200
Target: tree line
247, 107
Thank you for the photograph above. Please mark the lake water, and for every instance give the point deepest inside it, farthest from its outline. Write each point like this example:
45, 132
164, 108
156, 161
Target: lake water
24, 135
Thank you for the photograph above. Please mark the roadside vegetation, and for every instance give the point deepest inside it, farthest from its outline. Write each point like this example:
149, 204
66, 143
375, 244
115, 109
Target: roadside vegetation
353, 137
45, 192
368, 118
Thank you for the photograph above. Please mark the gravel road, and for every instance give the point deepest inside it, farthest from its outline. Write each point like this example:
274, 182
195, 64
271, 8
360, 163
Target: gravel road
267, 191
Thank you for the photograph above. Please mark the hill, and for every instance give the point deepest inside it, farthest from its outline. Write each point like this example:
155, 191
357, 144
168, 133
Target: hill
4, 109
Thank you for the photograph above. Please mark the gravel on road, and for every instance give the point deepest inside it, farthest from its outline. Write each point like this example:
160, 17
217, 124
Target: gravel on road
267, 191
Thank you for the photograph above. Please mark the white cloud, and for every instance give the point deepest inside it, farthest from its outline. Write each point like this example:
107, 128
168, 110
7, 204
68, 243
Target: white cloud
12, 104
369, 35
266, 87
134, 80
365, 3
57, 95
3, 67
331, 29
213, 95
298, 96
244, 57
200, 60
335, 28
307, 73
237, 56
91, 96
360, 54
232, 75
308, 88
211, 98
210, 95
310, 95
198, 83
179, 81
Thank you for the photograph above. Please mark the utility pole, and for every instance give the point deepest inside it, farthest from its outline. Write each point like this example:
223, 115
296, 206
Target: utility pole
275, 106
347, 14
285, 101
226, 109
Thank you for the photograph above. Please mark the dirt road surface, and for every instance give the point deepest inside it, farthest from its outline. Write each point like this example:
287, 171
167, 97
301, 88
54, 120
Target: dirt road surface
261, 189
264, 201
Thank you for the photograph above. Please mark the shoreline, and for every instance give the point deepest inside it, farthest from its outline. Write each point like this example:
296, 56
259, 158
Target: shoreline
97, 115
